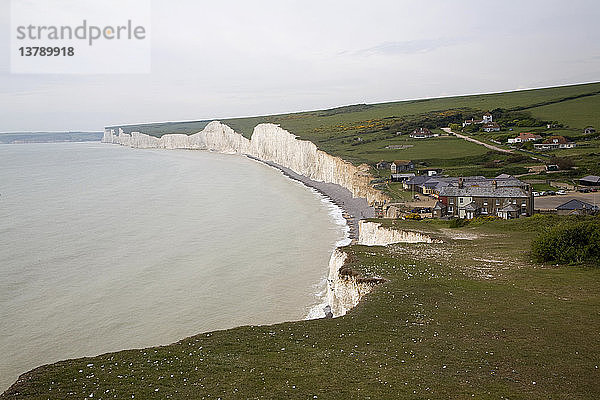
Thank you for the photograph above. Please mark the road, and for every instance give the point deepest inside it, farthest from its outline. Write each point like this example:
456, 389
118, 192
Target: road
470, 139
551, 202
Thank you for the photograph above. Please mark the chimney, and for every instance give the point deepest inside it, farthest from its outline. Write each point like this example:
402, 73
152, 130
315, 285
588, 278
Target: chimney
460, 183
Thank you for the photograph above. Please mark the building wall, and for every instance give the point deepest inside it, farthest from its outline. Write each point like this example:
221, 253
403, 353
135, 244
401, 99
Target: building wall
490, 204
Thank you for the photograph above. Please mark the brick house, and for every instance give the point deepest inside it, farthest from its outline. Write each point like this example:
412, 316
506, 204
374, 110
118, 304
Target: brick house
399, 166
504, 198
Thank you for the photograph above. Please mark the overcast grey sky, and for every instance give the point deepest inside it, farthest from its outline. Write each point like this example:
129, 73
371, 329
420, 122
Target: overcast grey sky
217, 59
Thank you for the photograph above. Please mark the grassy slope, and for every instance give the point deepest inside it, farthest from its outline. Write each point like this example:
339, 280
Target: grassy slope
577, 113
455, 320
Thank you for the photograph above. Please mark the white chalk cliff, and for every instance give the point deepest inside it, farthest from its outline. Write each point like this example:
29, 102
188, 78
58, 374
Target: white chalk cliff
373, 234
344, 291
269, 142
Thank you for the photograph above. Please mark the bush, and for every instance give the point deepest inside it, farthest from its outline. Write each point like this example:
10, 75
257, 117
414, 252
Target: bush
455, 127
562, 162
458, 223
569, 243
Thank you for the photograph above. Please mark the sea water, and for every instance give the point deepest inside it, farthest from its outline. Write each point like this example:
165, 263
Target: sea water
104, 248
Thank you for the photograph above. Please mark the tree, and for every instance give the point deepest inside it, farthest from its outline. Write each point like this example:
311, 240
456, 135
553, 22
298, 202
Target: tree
562, 162
455, 127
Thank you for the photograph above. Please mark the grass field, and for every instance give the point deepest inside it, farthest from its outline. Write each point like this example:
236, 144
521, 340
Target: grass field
577, 113
463, 319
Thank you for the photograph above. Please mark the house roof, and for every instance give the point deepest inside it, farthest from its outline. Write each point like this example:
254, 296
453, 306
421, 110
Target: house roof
487, 114
575, 204
470, 207
402, 162
398, 176
419, 131
505, 176
439, 206
491, 125
483, 191
529, 135
418, 180
559, 140
591, 178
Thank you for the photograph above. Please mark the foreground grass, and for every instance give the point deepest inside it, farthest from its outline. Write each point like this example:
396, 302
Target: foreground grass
462, 319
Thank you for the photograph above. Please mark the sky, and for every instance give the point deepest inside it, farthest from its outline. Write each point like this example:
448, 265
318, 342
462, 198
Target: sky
219, 59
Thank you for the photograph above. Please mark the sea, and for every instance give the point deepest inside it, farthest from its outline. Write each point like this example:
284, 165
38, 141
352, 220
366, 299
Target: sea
104, 248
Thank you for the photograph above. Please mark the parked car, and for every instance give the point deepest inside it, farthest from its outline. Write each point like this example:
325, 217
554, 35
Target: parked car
536, 194
561, 192
583, 190
550, 193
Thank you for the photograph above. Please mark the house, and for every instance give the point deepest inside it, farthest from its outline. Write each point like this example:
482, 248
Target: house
470, 122
525, 137
422, 133
487, 118
439, 210
589, 130
576, 207
398, 166
554, 142
402, 177
431, 172
383, 165
469, 198
590, 180
490, 127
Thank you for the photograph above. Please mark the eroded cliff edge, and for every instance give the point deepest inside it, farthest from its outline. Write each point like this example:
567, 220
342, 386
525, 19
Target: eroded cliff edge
346, 287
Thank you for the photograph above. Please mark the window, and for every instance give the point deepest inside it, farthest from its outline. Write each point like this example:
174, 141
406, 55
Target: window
451, 201
497, 202
484, 210
460, 200
514, 201
485, 203
450, 209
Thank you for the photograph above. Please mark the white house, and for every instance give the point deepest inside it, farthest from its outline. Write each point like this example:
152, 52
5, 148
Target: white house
422, 133
487, 118
491, 127
524, 137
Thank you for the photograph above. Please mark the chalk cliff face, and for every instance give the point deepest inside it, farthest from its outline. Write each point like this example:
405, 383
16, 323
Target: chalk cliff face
344, 291
269, 142
373, 234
